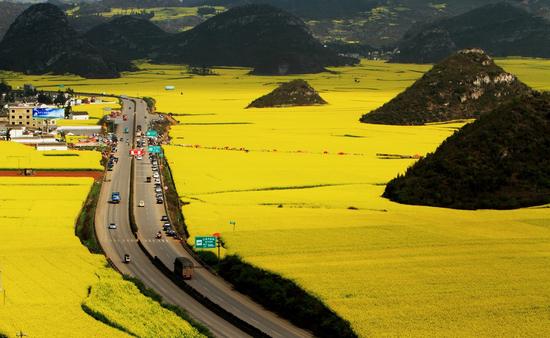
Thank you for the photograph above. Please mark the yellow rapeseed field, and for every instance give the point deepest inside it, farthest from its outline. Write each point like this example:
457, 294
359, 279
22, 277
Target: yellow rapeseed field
303, 186
18, 156
46, 271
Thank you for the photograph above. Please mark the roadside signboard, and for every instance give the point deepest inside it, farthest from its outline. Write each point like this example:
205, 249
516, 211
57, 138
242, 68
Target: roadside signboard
137, 152
154, 149
152, 133
48, 113
207, 242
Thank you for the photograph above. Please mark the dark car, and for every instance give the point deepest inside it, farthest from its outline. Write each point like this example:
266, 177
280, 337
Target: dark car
164, 218
160, 201
170, 233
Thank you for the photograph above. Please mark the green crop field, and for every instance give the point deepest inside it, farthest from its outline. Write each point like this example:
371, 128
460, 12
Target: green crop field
303, 186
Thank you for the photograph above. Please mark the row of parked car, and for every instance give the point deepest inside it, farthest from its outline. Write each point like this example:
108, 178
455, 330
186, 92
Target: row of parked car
167, 227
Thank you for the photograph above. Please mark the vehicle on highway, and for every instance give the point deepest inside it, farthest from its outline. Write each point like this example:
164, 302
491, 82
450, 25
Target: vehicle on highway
126, 258
164, 218
183, 267
141, 204
112, 226
115, 197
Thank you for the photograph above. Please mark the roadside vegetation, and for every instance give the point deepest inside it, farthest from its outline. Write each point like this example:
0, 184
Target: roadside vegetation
85, 224
281, 296
120, 304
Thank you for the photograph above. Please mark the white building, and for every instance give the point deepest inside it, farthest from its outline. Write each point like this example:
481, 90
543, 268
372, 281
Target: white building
51, 146
80, 115
31, 140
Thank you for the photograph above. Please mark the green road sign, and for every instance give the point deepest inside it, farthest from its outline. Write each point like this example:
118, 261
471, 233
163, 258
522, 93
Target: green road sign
208, 242
154, 149
151, 133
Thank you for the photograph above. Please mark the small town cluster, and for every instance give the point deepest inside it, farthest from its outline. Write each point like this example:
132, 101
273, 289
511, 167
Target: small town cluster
33, 118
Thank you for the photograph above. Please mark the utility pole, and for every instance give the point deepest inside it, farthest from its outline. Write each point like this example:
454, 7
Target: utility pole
18, 161
219, 246
2, 289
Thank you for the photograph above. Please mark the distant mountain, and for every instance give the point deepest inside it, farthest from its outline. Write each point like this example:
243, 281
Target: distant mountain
10, 11
498, 162
263, 37
131, 37
500, 29
463, 86
290, 94
41, 41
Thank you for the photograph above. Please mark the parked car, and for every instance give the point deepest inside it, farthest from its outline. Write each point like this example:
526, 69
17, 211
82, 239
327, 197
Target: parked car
157, 180
160, 200
156, 175
164, 218
112, 226
158, 189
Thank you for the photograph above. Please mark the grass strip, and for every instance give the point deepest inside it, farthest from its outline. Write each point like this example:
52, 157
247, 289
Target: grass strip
100, 317
148, 292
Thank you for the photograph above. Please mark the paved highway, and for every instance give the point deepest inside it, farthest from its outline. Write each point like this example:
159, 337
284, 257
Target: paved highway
118, 242
148, 219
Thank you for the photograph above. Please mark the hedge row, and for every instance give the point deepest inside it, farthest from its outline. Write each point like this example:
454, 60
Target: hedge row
285, 298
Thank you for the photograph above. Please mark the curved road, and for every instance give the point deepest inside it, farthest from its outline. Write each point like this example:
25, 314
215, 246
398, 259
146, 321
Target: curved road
120, 241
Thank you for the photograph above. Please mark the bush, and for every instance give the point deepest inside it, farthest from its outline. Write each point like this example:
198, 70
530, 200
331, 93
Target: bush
208, 257
151, 103
206, 10
84, 228
284, 297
